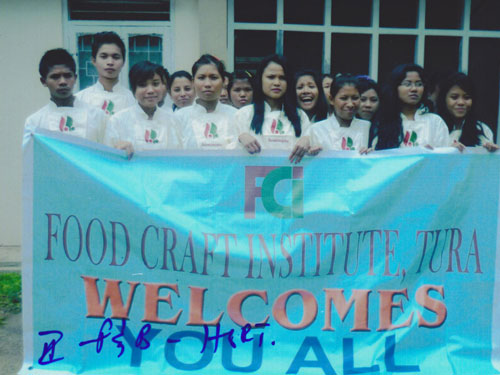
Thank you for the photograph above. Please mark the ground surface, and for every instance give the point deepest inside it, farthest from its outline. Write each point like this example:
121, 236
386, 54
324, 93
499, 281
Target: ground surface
11, 332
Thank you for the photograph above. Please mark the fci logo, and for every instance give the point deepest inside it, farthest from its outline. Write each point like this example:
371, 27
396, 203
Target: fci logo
273, 175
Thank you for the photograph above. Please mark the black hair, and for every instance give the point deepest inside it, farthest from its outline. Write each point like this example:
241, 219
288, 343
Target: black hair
342, 80
178, 74
241, 75
471, 128
141, 72
164, 75
366, 83
58, 56
289, 100
209, 60
320, 110
107, 37
326, 75
389, 124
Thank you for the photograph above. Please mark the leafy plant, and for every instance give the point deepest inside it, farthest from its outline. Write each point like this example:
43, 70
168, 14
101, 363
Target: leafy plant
10, 294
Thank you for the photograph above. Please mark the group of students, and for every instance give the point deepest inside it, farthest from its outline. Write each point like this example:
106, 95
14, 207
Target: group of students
210, 109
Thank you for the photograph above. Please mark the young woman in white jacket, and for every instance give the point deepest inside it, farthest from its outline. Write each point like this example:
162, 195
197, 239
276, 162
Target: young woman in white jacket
273, 121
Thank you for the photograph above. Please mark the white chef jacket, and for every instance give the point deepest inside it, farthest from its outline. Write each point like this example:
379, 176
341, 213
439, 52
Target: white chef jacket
81, 120
132, 125
208, 130
277, 130
110, 102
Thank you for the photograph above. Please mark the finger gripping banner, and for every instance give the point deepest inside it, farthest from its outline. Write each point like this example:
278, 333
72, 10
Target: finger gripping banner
219, 263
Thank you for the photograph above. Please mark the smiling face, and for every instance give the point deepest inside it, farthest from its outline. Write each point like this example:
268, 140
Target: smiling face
149, 93
307, 93
369, 103
346, 104
274, 82
60, 81
411, 89
241, 93
182, 92
458, 102
208, 83
108, 61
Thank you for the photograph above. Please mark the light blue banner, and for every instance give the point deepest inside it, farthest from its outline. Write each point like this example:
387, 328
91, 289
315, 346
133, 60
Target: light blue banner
226, 263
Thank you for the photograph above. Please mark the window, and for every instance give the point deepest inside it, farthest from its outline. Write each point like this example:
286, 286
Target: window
442, 53
260, 11
136, 10
301, 49
251, 46
371, 37
144, 40
342, 12
485, 15
302, 12
398, 13
444, 14
394, 50
357, 60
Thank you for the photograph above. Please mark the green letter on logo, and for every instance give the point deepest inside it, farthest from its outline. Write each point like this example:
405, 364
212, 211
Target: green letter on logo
296, 210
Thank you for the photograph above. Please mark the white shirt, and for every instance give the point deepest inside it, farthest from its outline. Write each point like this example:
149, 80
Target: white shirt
132, 125
426, 129
110, 102
208, 130
168, 104
81, 120
331, 136
483, 138
277, 130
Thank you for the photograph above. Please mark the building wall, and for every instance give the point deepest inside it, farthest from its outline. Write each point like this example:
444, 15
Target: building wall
186, 34
213, 27
27, 29
200, 26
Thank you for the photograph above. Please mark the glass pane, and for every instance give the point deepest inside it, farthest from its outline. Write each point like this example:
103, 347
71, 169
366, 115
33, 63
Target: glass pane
258, 11
352, 12
251, 46
87, 74
357, 60
441, 53
304, 50
151, 10
306, 12
485, 15
398, 13
444, 14
394, 50
484, 55
145, 47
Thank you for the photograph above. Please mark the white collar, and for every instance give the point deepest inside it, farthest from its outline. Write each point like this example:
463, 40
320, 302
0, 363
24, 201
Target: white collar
116, 88
267, 108
143, 115
76, 104
200, 109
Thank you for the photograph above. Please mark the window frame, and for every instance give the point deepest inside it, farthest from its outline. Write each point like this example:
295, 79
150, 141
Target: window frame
420, 32
72, 29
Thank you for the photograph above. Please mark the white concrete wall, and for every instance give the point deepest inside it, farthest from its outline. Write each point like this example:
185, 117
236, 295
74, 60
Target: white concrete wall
213, 27
27, 29
186, 34
200, 26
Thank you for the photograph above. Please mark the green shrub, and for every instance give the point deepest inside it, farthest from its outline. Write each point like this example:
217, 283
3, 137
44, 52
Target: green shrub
10, 294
